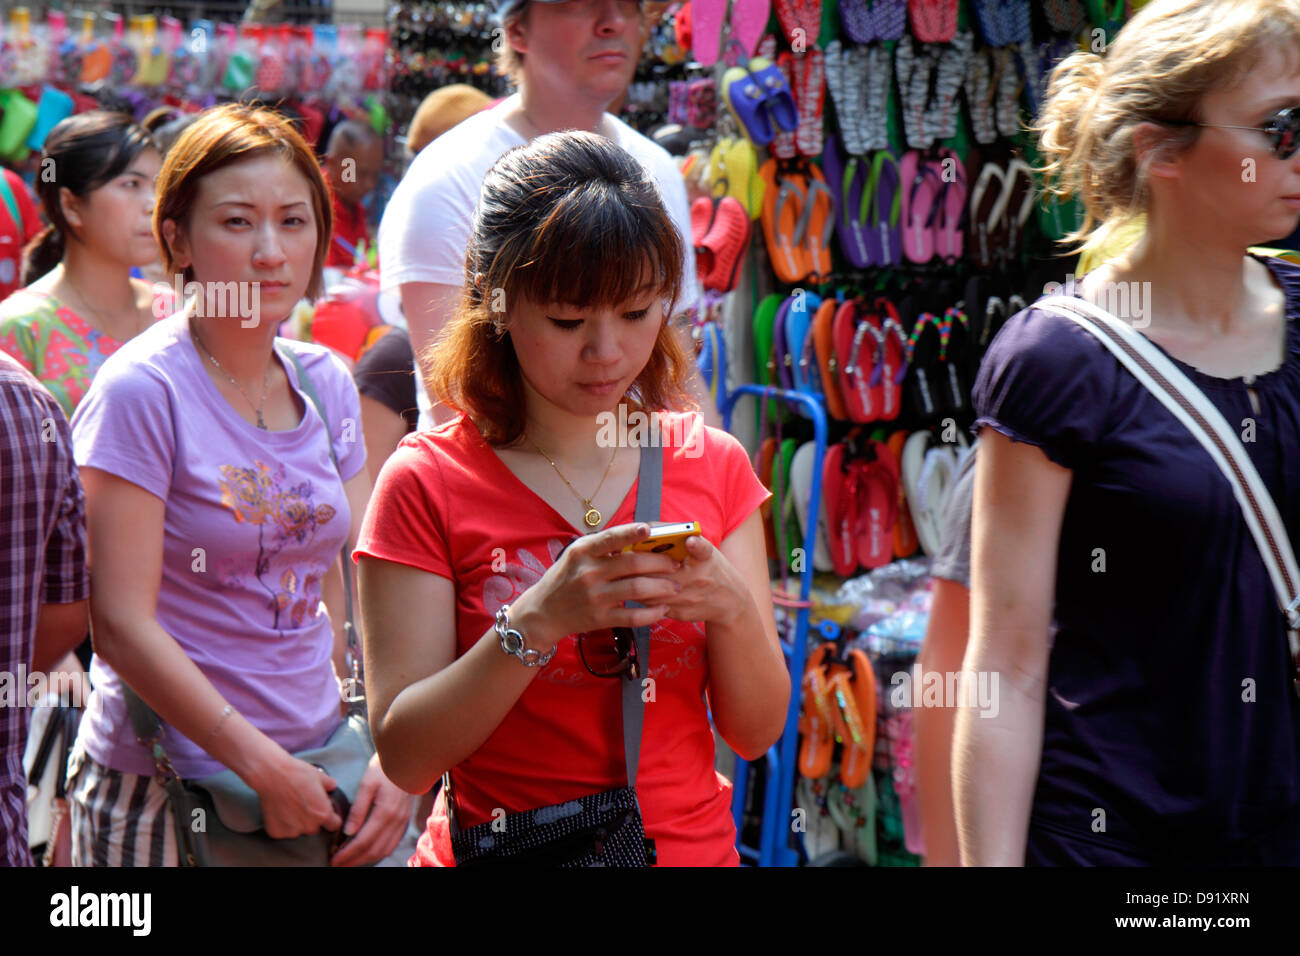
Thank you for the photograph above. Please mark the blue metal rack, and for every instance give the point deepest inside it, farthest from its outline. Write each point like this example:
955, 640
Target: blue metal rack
774, 842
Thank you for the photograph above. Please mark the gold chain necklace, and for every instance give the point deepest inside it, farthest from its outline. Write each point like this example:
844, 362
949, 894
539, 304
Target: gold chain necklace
592, 517
266, 379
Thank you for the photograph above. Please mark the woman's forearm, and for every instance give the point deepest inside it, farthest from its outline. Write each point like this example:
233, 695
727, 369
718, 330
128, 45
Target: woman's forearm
150, 661
995, 767
749, 685
435, 723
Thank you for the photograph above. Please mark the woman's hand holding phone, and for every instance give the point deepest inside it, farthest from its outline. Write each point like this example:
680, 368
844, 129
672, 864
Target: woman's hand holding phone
585, 589
711, 588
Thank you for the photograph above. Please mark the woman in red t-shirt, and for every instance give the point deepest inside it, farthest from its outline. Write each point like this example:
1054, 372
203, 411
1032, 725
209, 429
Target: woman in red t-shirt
573, 267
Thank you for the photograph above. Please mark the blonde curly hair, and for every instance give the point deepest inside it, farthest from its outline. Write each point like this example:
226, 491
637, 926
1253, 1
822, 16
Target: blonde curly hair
1161, 65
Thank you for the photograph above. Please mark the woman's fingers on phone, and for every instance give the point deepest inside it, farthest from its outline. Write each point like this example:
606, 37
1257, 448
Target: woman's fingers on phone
642, 563
614, 540
640, 616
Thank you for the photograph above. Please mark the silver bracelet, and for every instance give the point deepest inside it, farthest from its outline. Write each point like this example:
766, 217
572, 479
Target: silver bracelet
513, 643
225, 712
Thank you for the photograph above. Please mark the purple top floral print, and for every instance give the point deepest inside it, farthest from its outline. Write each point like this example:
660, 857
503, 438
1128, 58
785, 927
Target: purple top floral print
253, 521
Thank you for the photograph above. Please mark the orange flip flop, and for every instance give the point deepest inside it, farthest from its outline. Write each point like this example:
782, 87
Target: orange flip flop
905, 540
783, 200
855, 715
824, 342
817, 722
820, 212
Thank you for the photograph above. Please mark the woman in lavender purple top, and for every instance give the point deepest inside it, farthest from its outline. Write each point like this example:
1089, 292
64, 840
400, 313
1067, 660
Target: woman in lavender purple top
216, 516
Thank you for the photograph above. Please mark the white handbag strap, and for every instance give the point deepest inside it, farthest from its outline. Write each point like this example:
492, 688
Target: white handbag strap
1190, 406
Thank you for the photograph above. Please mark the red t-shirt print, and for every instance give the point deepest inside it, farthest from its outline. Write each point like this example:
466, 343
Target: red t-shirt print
563, 738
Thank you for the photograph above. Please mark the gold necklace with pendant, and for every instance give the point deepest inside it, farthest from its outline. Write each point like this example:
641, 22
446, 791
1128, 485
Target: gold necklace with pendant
593, 517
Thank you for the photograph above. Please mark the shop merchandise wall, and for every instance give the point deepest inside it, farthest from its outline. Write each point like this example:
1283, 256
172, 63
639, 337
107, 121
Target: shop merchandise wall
865, 213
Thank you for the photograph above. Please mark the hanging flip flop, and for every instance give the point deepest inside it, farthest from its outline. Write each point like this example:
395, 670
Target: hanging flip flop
858, 21
780, 349
816, 226
820, 834
828, 364
979, 96
942, 113
928, 473
921, 186
1021, 195
840, 490
798, 322
948, 216
783, 201
748, 20
712, 363
878, 479
986, 211
854, 813
801, 474
955, 353
706, 29
856, 703
885, 211
764, 317
933, 21
894, 364
905, 540
818, 744
921, 393
856, 353
808, 80
914, 68
848, 182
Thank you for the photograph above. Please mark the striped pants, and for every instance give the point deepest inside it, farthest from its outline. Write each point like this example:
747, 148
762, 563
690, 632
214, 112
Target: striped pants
118, 819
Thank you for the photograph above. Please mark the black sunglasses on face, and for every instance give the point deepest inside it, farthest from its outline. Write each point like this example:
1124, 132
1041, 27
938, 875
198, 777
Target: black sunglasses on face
1283, 129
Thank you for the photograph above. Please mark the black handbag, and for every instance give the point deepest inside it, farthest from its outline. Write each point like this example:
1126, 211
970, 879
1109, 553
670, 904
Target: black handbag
601, 829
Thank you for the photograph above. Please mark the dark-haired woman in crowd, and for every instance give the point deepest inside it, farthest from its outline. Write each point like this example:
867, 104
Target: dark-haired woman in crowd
518, 511
79, 302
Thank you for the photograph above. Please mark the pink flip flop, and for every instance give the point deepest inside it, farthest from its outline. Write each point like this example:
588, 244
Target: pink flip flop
748, 20
921, 187
706, 29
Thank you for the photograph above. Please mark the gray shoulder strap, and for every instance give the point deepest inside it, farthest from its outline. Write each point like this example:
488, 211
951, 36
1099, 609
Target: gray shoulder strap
649, 484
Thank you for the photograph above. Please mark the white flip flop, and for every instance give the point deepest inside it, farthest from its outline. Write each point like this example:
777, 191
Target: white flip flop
928, 473
801, 476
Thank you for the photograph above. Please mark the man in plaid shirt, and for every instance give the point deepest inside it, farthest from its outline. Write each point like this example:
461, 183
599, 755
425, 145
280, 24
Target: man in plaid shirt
44, 581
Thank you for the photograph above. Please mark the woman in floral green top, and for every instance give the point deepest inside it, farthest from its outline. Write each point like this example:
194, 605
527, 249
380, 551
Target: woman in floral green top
79, 302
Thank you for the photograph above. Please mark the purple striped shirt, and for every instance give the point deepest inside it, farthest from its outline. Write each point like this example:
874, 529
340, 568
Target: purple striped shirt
42, 561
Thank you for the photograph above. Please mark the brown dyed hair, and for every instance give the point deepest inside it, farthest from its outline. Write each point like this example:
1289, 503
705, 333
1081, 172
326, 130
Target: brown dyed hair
231, 134
1163, 62
570, 218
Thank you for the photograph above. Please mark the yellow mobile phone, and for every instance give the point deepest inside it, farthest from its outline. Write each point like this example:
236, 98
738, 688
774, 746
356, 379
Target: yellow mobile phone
669, 539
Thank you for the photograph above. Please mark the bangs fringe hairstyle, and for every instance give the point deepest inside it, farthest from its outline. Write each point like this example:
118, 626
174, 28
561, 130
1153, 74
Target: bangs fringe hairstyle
571, 219
1163, 62
224, 136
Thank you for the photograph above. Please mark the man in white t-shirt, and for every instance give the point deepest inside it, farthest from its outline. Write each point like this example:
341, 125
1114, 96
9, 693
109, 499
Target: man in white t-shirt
570, 60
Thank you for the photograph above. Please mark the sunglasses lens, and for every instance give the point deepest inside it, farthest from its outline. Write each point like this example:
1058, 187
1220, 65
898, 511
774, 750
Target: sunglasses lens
1286, 133
603, 654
